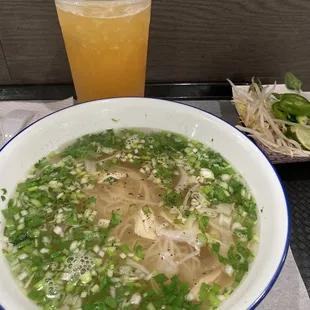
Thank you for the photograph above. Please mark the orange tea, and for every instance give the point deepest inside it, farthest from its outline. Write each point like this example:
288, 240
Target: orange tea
106, 43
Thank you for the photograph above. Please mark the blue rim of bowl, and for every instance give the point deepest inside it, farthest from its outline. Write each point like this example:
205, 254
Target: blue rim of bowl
285, 251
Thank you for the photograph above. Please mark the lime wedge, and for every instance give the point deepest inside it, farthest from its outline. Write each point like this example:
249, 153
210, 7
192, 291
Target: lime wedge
302, 135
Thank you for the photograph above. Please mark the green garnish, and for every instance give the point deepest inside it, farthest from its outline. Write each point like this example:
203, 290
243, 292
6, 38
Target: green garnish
161, 278
203, 222
291, 82
91, 201
208, 293
111, 180
146, 210
172, 199
63, 243
124, 248
139, 252
115, 219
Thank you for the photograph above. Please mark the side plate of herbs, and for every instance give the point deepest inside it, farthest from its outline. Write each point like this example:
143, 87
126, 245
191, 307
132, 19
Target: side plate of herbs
277, 117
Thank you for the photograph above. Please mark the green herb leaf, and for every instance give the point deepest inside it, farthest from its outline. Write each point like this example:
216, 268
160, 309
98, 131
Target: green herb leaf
124, 248
203, 293
172, 199
146, 210
216, 247
110, 180
187, 213
116, 219
19, 238
291, 82
34, 221
161, 278
139, 251
112, 303
203, 222
91, 201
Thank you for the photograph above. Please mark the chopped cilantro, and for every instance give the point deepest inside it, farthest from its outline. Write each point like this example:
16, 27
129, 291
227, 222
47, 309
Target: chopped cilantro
59, 219
116, 219
91, 145
161, 278
124, 248
203, 222
172, 199
91, 201
187, 213
146, 210
110, 180
139, 251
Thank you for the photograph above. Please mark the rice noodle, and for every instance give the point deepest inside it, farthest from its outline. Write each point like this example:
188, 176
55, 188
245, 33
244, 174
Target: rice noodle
189, 236
187, 257
226, 236
169, 248
185, 180
134, 264
90, 166
145, 225
189, 193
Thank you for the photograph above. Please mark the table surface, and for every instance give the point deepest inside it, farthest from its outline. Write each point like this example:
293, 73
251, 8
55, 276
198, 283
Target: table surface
295, 176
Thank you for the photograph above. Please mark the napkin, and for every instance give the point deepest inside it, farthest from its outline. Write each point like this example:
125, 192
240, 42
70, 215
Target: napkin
37, 109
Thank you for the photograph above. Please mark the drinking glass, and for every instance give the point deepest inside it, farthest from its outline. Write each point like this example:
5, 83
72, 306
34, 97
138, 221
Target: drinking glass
106, 44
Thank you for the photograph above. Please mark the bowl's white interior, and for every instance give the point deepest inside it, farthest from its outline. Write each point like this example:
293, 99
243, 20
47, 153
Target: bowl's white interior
46, 135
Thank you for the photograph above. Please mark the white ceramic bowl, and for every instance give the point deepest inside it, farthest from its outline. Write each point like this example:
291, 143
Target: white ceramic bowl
47, 134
